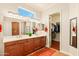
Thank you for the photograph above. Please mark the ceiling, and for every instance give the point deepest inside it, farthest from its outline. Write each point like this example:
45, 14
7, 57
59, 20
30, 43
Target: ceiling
34, 6
41, 6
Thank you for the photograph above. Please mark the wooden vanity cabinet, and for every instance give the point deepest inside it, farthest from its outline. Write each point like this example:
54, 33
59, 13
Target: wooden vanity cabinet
24, 47
36, 43
39, 42
20, 48
14, 49
28, 46
10, 49
42, 42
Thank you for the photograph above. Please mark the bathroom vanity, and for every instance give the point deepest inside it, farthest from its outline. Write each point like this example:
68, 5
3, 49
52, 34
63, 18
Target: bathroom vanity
16, 40
23, 45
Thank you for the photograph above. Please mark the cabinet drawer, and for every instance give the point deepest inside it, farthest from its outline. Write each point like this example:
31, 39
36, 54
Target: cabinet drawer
10, 43
21, 41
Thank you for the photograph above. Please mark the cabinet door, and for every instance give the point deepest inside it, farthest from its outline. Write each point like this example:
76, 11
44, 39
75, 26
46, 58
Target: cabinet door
9, 49
28, 46
36, 43
19, 50
14, 50
42, 42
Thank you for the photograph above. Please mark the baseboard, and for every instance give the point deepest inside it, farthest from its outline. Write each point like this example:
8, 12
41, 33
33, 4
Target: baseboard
66, 53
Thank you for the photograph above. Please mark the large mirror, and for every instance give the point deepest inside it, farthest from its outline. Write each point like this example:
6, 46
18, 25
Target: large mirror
73, 32
11, 26
14, 27
28, 27
33, 27
23, 28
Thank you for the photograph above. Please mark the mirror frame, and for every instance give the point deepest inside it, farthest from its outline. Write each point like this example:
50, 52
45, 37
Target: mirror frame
75, 18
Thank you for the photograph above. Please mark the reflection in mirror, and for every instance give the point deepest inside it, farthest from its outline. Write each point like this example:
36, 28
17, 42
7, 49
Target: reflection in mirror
73, 32
42, 26
10, 26
23, 28
7, 28
28, 27
33, 27
15, 28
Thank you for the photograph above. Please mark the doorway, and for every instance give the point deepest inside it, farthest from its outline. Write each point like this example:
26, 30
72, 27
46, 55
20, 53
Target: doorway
15, 28
55, 30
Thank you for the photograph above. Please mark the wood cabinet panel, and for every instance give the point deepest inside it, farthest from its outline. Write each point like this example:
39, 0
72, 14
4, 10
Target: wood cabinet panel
24, 47
28, 46
14, 50
36, 43
11, 50
42, 41
10, 43
19, 50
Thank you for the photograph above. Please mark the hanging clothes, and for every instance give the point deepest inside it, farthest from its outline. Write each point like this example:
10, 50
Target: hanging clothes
57, 28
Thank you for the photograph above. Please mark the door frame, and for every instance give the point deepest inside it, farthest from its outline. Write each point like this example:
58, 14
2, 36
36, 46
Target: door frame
50, 29
53, 12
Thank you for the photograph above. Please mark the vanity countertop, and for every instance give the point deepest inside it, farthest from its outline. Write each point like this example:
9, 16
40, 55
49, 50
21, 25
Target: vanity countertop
19, 37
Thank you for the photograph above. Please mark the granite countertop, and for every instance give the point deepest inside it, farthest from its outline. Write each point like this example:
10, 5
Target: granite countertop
19, 37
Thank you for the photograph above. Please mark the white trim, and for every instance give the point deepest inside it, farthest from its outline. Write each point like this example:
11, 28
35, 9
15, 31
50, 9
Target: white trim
66, 53
59, 11
60, 29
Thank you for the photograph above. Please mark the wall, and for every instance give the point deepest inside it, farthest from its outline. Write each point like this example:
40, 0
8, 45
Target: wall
63, 9
67, 11
74, 12
1, 37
